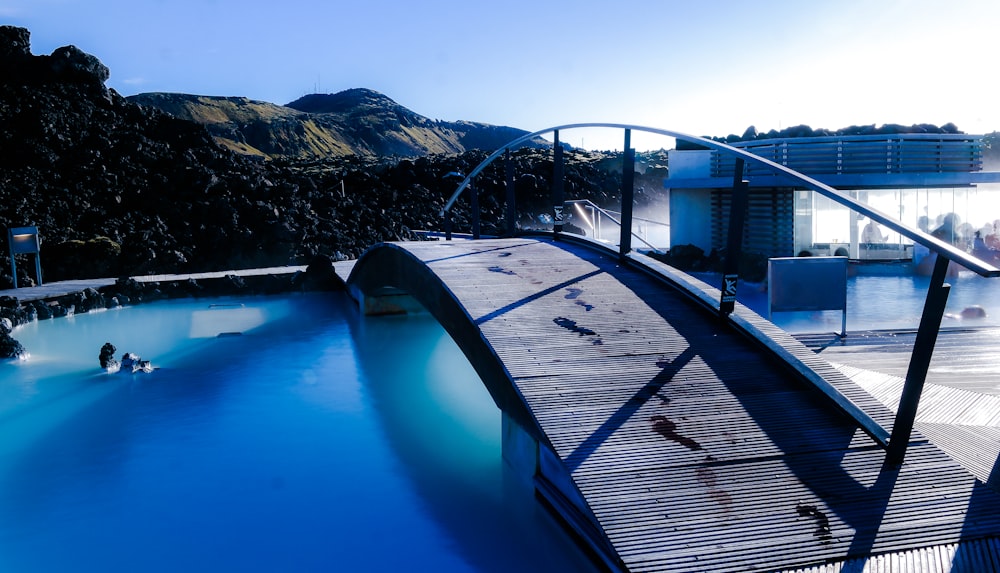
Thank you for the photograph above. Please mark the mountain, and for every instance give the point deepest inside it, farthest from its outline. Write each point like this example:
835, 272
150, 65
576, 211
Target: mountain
359, 122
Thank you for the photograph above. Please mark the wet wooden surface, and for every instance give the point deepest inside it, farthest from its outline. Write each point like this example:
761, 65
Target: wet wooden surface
695, 450
967, 359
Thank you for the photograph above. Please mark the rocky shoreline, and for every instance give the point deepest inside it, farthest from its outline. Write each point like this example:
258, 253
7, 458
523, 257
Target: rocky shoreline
127, 291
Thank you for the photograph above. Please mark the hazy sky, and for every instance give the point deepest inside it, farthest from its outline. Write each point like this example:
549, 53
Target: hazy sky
700, 66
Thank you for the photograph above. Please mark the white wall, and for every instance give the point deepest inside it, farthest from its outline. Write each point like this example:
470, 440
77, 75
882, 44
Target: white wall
689, 164
691, 218
690, 209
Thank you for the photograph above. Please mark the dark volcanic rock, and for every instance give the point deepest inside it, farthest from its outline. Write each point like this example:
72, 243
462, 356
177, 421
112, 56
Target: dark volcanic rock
10, 348
120, 189
107, 355
73, 63
15, 43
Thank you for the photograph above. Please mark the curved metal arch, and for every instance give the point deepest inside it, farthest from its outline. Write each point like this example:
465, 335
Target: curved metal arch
935, 245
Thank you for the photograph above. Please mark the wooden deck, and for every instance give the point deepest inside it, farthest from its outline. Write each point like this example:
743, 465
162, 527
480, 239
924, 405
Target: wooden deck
964, 358
960, 405
693, 447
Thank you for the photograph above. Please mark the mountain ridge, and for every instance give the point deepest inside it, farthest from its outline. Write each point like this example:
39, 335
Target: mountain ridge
357, 121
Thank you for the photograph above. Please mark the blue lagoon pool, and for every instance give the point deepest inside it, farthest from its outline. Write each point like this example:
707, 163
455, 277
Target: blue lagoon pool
882, 302
313, 441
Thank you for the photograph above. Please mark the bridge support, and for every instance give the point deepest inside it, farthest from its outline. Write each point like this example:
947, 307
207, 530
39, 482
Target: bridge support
519, 449
386, 300
537, 467
920, 361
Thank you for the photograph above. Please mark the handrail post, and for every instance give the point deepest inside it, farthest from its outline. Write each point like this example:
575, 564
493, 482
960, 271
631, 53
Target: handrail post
558, 194
447, 225
474, 207
628, 195
509, 184
920, 361
734, 243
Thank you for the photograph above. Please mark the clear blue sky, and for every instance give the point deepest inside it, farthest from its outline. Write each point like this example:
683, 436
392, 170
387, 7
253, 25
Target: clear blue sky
699, 66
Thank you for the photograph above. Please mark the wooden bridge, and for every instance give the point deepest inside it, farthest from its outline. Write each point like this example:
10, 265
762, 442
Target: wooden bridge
672, 439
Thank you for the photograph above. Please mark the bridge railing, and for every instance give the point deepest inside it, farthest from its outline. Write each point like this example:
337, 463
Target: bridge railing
937, 293
934, 244
598, 214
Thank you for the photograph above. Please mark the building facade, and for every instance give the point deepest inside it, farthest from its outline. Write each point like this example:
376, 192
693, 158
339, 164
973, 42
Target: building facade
927, 181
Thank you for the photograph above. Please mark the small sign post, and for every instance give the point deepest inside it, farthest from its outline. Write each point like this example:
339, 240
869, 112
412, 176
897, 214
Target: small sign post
558, 191
24, 241
734, 241
808, 284
729, 289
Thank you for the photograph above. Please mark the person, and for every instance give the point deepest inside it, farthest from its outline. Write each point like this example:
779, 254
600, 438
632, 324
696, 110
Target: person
107, 357
923, 223
992, 238
133, 363
979, 248
872, 234
948, 230
984, 246
130, 363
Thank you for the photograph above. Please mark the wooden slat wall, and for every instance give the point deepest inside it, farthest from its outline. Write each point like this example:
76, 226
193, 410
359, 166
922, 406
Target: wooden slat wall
908, 153
769, 224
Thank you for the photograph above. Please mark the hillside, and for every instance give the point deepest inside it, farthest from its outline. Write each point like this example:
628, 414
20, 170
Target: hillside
121, 189
357, 122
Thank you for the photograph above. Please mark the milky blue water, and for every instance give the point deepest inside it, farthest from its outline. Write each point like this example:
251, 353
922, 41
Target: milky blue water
314, 441
883, 302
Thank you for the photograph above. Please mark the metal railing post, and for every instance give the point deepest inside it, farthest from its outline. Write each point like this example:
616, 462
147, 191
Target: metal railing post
558, 193
509, 182
474, 207
628, 195
447, 225
734, 243
920, 361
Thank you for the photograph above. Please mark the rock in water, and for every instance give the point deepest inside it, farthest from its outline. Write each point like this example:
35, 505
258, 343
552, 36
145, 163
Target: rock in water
10, 348
107, 356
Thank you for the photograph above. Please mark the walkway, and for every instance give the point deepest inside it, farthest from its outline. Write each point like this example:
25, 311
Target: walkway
688, 445
62, 288
960, 404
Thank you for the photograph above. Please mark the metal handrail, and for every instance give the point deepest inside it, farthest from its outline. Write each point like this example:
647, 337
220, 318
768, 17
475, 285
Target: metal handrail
618, 213
932, 243
608, 214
